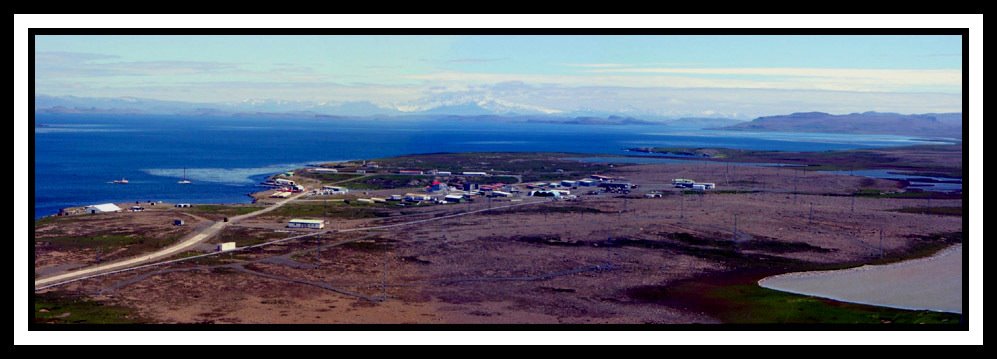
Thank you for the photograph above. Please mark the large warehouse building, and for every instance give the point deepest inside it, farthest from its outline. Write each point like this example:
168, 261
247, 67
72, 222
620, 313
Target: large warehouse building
306, 223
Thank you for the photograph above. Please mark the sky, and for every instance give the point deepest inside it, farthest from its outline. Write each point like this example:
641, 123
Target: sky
731, 76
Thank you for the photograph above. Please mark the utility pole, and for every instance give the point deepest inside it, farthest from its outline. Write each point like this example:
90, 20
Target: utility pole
727, 173
880, 242
735, 228
384, 276
682, 212
795, 181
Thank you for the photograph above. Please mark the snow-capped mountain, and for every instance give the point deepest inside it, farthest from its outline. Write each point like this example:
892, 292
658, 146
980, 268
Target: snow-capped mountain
472, 104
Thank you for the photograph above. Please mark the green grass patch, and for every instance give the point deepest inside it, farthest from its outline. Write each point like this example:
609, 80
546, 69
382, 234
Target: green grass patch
70, 220
376, 182
330, 177
332, 210
46, 220
735, 297
221, 209
247, 236
534, 166
107, 243
750, 303
868, 192
936, 159
61, 308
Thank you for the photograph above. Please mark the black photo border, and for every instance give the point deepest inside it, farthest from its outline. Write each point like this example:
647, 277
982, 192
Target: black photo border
962, 326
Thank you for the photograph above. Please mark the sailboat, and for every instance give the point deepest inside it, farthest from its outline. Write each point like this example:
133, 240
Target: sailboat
184, 180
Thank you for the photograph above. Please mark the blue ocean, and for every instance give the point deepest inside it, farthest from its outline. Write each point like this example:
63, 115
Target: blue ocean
77, 156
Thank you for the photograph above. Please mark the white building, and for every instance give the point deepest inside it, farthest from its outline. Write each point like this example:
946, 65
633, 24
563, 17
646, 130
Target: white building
325, 170
227, 246
306, 223
281, 194
474, 173
335, 190
416, 197
103, 208
545, 193
283, 182
501, 194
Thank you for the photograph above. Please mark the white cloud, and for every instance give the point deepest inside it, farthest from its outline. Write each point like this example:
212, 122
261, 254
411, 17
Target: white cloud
611, 87
787, 79
605, 65
826, 78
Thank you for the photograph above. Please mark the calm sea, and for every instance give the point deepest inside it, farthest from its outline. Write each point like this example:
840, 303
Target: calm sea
76, 156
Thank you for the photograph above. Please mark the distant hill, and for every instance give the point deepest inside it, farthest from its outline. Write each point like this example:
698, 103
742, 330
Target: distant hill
923, 125
591, 120
702, 122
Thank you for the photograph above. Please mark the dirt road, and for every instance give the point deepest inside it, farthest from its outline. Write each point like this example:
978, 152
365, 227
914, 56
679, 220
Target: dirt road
189, 242
136, 262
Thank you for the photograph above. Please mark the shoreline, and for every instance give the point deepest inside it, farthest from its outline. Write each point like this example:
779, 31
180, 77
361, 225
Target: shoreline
693, 156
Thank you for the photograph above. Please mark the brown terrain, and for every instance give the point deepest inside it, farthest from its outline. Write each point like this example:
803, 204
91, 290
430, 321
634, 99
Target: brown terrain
63, 243
565, 261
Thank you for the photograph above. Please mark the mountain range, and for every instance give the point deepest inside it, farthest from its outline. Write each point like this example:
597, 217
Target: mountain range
436, 105
460, 108
921, 125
